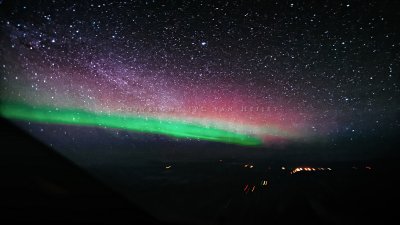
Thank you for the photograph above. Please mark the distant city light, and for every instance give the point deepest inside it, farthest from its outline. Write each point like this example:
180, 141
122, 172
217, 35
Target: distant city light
246, 188
308, 169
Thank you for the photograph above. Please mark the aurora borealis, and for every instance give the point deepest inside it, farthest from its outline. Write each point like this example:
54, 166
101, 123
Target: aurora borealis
147, 125
198, 70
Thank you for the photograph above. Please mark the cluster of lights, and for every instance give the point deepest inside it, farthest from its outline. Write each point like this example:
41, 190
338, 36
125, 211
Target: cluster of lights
247, 188
250, 166
251, 188
308, 169
366, 167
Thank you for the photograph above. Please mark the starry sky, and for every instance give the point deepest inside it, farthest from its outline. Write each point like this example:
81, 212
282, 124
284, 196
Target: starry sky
243, 72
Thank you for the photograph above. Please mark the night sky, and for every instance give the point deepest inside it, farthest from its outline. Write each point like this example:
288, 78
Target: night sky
250, 72
199, 112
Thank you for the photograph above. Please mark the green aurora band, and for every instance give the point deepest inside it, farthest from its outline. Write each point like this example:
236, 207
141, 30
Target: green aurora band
169, 127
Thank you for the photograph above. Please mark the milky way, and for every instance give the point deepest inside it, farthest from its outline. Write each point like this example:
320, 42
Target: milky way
239, 72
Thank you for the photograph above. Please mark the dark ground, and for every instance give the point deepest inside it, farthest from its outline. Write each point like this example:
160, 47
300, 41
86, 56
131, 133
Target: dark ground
39, 185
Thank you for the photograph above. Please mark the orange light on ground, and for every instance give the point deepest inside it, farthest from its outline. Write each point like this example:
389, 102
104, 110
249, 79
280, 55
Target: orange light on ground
308, 169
